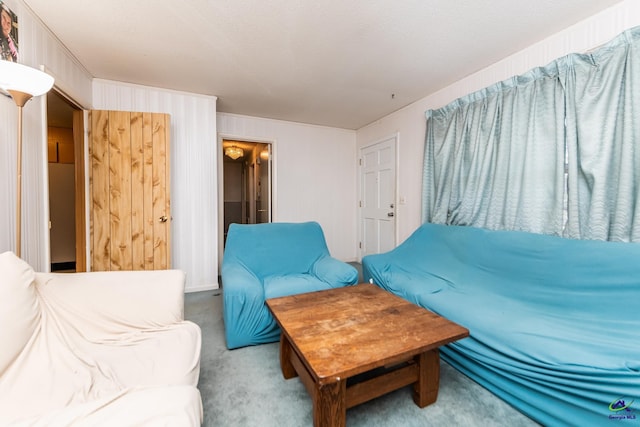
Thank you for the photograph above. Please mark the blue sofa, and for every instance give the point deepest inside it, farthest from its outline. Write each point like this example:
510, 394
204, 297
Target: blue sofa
264, 261
554, 323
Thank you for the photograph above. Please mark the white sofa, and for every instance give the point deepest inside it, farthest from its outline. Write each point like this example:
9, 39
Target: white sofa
96, 349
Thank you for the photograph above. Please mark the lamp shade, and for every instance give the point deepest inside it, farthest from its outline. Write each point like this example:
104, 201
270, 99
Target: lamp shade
18, 77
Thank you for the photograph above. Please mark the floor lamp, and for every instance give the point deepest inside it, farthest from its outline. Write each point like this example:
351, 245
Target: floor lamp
22, 83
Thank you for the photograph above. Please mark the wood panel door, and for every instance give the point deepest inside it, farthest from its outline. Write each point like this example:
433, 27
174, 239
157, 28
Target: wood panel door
130, 213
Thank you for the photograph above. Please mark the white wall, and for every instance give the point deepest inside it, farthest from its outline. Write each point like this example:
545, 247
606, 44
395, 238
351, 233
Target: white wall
37, 47
314, 175
194, 193
410, 122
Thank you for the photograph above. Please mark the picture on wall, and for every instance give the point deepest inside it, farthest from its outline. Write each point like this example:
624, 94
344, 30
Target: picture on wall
9, 36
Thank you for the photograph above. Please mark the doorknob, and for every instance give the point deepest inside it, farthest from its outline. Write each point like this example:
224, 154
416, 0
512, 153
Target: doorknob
390, 214
163, 218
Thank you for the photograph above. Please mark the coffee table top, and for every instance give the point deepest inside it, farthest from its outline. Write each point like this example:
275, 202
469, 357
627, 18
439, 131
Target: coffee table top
346, 331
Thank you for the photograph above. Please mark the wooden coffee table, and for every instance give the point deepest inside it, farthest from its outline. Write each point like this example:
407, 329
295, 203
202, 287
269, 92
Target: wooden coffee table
355, 343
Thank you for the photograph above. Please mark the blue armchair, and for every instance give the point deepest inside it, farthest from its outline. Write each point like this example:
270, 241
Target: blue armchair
263, 261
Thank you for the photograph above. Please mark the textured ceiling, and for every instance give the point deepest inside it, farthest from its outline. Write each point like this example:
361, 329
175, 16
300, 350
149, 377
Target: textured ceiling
342, 63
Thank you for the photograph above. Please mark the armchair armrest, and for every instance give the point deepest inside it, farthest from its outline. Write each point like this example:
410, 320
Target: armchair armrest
334, 272
246, 317
101, 304
237, 279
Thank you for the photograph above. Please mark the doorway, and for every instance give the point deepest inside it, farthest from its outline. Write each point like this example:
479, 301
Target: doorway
65, 148
246, 190
245, 184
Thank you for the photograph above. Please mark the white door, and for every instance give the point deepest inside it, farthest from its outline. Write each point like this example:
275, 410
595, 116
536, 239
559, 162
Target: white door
378, 197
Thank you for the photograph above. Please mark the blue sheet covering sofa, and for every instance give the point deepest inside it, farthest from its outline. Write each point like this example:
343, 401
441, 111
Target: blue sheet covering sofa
554, 323
264, 261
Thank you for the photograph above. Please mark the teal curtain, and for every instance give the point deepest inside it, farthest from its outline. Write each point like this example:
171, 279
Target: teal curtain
554, 151
603, 141
492, 158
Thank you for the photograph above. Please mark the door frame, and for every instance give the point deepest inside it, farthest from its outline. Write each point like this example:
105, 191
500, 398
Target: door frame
251, 191
81, 188
396, 137
220, 166
80, 179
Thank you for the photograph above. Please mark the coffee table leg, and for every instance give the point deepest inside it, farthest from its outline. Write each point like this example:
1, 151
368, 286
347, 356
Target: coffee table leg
330, 405
288, 371
425, 390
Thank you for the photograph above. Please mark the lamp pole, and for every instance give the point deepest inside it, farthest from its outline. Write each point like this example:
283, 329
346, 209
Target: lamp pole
20, 98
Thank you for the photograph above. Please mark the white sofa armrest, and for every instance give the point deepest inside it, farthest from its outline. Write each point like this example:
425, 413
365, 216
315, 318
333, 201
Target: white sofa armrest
114, 302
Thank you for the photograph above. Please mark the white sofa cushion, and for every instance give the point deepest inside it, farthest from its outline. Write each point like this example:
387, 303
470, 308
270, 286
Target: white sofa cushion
19, 307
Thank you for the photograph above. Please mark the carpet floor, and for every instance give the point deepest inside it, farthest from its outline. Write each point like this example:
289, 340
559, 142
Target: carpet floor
245, 387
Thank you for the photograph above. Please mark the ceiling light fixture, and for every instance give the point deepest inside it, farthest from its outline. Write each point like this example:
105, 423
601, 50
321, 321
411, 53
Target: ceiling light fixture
22, 83
234, 152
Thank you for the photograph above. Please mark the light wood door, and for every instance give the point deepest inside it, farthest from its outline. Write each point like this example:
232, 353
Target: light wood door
130, 214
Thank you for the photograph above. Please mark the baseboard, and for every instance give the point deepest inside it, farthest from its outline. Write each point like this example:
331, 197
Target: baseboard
201, 288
